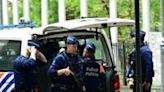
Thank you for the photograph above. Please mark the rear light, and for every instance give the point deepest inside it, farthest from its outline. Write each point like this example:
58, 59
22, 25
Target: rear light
116, 83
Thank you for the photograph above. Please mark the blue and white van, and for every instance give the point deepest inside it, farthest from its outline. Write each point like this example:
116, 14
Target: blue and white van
12, 43
52, 37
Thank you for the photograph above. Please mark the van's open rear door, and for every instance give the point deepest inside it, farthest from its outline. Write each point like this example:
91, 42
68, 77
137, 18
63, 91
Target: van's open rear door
87, 23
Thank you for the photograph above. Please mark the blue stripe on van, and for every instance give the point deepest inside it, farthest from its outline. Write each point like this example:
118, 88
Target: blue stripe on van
8, 86
5, 79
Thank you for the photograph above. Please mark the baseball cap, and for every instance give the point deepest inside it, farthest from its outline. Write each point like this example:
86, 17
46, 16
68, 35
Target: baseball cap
91, 47
72, 40
142, 34
34, 43
40, 56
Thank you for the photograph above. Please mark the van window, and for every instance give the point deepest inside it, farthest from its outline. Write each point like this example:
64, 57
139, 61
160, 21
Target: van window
9, 50
53, 45
99, 48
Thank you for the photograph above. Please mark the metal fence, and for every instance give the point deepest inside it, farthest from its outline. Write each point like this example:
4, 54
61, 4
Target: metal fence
121, 51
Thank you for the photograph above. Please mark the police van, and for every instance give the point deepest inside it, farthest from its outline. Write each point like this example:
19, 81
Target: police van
12, 43
52, 38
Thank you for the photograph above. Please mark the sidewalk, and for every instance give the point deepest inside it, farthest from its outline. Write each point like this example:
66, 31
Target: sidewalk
126, 89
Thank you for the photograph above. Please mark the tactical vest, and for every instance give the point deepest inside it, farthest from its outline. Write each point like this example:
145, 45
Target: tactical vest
92, 77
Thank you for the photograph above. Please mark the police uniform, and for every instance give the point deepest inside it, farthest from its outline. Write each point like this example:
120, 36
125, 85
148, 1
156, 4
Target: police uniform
25, 72
146, 61
65, 83
94, 74
131, 59
130, 71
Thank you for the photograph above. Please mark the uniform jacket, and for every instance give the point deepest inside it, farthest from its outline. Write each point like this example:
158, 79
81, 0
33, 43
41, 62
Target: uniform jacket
146, 61
25, 73
61, 62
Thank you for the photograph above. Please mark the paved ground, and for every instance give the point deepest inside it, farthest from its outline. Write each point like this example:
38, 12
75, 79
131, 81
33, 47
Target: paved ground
125, 89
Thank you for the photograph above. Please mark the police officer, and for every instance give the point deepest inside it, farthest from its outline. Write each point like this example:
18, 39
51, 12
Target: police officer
25, 68
146, 61
60, 69
130, 71
94, 74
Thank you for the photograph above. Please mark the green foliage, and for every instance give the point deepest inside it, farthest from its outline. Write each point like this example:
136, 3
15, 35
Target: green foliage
35, 11
96, 8
155, 15
53, 11
20, 7
72, 9
125, 10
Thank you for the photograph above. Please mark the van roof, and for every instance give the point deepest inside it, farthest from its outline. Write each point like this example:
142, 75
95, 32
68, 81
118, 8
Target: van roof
18, 33
74, 24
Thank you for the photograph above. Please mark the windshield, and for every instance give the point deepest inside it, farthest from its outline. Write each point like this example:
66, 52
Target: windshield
9, 49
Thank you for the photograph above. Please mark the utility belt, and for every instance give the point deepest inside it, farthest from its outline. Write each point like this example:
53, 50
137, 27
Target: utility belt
64, 87
25, 90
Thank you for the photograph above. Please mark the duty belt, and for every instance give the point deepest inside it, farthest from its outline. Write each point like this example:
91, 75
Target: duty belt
25, 90
65, 87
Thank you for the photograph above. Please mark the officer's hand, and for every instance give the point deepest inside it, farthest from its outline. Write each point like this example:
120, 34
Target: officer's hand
33, 50
67, 71
33, 53
146, 86
41, 57
84, 89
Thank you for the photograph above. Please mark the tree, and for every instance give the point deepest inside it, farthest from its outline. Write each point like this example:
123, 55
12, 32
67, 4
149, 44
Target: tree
96, 8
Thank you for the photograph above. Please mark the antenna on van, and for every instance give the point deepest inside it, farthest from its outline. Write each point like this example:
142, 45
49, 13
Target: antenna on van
24, 24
